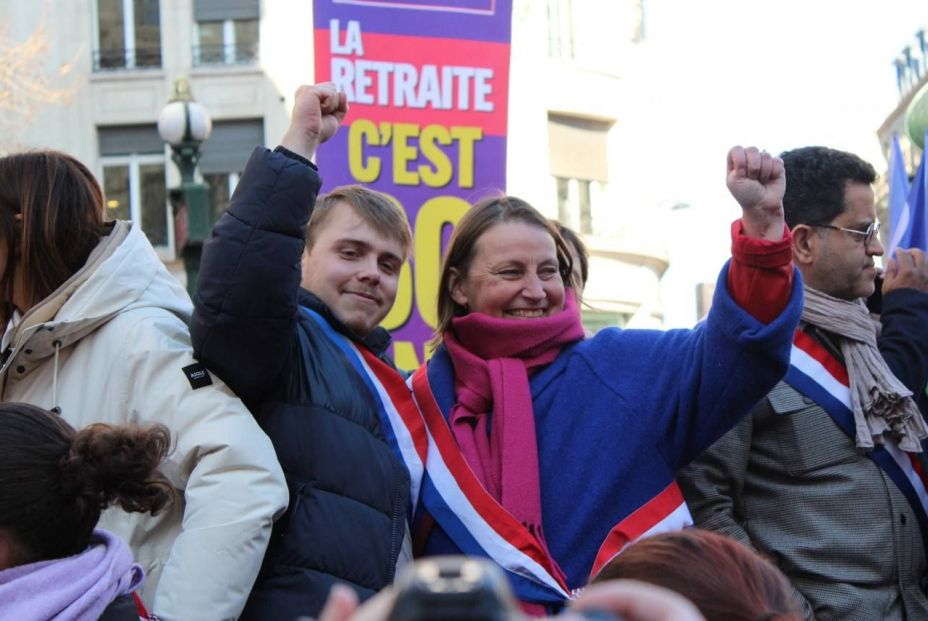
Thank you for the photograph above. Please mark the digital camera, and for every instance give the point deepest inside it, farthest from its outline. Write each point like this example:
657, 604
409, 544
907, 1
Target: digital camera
460, 588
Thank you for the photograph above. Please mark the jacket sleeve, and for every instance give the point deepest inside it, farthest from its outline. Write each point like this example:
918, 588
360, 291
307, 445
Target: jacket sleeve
692, 386
760, 276
245, 307
233, 487
904, 337
713, 484
710, 377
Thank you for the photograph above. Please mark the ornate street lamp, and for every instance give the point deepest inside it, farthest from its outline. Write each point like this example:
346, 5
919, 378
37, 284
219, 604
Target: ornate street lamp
184, 125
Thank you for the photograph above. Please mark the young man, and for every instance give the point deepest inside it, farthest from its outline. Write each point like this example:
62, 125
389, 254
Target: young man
292, 342
820, 477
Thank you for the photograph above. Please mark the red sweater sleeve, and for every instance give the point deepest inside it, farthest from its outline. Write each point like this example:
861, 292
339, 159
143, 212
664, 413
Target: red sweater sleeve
760, 277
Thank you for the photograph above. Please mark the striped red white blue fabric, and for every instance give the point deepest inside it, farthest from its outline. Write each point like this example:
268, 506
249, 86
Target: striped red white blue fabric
816, 373
444, 485
443, 482
666, 512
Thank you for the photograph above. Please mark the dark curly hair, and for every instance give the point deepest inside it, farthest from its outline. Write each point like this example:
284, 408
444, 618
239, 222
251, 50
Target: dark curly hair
816, 178
725, 579
55, 481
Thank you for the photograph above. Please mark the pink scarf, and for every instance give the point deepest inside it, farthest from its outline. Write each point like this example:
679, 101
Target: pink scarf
492, 359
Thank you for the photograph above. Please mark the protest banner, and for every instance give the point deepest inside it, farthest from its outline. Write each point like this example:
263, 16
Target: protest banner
427, 84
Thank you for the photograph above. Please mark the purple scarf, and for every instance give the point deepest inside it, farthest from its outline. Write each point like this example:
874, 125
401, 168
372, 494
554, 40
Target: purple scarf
75, 588
492, 359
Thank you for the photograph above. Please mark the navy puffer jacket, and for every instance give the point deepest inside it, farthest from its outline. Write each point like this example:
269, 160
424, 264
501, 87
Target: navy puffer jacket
348, 492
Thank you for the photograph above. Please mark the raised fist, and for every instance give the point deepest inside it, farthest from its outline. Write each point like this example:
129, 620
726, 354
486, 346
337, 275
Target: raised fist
757, 180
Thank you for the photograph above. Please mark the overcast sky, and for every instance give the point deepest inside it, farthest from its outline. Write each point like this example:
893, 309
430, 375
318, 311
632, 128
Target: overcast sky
777, 75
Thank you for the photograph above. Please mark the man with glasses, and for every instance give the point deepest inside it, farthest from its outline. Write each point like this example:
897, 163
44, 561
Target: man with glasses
825, 475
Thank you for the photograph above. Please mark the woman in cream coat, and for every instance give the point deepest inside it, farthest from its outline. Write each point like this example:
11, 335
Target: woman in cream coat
96, 330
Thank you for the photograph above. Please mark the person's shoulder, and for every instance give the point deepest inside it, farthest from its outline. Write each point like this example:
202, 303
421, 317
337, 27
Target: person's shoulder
147, 325
614, 336
908, 299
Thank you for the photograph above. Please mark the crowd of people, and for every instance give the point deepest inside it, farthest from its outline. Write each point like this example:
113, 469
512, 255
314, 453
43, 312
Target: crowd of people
257, 455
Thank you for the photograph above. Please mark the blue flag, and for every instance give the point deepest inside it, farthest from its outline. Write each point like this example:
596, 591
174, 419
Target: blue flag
898, 197
910, 229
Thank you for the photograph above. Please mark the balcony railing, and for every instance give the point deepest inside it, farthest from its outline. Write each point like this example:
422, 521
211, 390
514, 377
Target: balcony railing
114, 59
228, 54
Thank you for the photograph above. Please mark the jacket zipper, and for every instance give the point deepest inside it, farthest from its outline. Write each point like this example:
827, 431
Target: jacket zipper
397, 527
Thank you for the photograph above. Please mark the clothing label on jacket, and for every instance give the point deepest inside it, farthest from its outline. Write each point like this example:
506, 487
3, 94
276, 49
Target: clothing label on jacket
197, 375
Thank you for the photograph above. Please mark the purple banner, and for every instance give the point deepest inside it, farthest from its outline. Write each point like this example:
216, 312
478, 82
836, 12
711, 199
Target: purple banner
427, 84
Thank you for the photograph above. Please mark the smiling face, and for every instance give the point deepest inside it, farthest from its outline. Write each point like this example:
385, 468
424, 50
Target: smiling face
353, 269
513, 273
843, 265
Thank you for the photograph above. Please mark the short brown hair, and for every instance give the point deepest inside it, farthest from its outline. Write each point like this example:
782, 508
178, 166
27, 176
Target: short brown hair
375, 208
725, 579
60, 209
468, 231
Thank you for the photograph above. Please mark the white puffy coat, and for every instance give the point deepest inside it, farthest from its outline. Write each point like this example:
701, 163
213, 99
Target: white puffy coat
110, 345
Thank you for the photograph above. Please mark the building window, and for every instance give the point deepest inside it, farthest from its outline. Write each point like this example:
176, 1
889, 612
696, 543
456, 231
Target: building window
226, 43
560, 29
128, 34
577, 152
574, 203
135, 190
223, 158
226, 32
221, 186
134, 180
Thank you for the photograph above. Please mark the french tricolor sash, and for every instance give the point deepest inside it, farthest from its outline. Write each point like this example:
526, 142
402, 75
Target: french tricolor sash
476, 523
664, 513
479, 525
443, 484
817, 374
399, 417
439, 476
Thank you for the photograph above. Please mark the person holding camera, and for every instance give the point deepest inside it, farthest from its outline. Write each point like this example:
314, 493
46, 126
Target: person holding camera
458, 587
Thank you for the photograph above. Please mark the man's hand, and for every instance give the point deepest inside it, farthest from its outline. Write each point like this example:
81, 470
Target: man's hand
757, 180
317, 112
908, 270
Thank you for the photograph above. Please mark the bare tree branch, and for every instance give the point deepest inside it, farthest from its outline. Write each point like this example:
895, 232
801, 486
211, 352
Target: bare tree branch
26, 83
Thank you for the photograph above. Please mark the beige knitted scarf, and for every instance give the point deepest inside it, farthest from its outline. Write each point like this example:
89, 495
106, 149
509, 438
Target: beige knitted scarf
881, 403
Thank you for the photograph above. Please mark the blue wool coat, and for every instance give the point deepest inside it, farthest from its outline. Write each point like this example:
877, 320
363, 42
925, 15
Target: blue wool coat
618, 414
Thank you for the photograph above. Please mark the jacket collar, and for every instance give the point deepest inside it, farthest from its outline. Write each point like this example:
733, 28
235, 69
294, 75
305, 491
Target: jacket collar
121, 273
377, 341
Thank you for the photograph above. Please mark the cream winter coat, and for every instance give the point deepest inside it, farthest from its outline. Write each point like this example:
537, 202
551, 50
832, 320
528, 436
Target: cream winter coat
111, 345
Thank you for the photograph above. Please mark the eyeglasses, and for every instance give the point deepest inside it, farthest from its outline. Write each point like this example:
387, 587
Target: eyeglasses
867, 235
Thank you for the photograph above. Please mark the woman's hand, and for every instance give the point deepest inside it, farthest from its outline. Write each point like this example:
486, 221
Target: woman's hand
757, 180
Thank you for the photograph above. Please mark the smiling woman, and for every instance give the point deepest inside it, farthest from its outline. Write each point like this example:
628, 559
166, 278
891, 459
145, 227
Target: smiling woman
505, 259
527, 414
